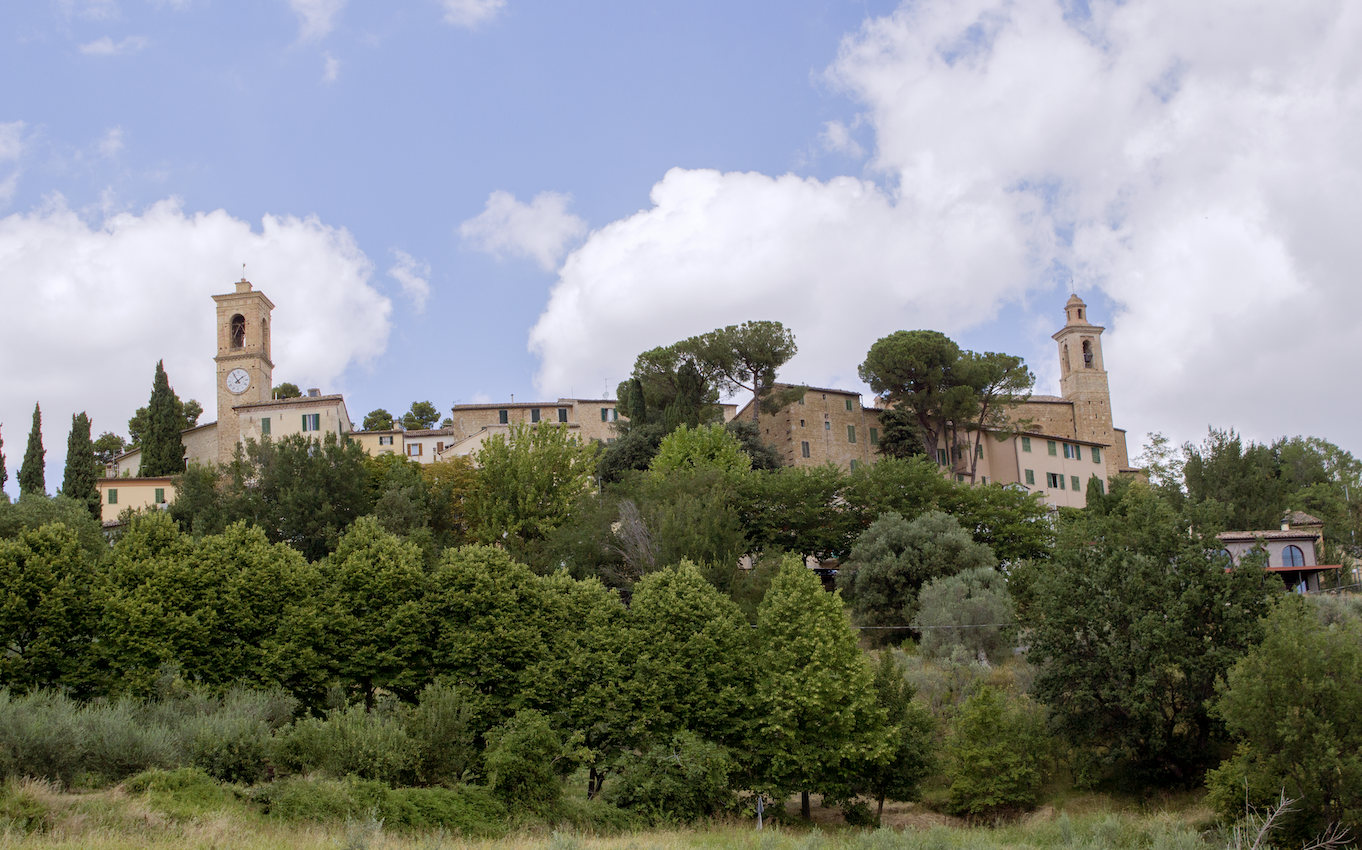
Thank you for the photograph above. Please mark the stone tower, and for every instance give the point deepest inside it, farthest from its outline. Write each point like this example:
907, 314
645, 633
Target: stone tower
1083, 380
245, 373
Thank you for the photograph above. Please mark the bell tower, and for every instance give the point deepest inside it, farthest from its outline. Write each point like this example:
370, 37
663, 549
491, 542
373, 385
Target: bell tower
245, 372
1083, 379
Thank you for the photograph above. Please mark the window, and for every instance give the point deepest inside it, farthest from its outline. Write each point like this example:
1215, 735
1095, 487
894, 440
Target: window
605, 414
1101, 486
985, 479
851, 433
264, 425
238, 331
978, 449
804, 448
1087, 354
849, 404
1072, 452
439, 447
1026, 444
160, 495
853, 465
801, 399
385, 441
312, 422
960, 476
534, 414
827, 426
874, 437
1031, 477
1050, 447
1054, 481
801, 423
1073, 479
1292, 556
503, 416
562, 414
941, 456
1096, 454
113, 496
413, 449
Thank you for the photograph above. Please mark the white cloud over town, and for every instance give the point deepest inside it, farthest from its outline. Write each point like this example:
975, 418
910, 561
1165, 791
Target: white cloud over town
316, 18
414, 277
471, 13
106, 46
107, 300
1194, 162
541, 230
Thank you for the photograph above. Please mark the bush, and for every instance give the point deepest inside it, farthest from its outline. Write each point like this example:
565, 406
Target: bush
521, 759
23, 810
683, 780
40, 736
972, 610
184, 793
995, 753
234, 740
442, 727
468, 810
859, 813
117, 741
350, 741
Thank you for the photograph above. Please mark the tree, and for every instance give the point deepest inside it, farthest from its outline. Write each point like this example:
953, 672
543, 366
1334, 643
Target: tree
525, 760
81, 481
529, 481
1294, 704
162, 450
748, 357
899, 774
999, 382
188, 412
378, 419
287, 390
1245, 481
706, 446
1162, 462
764, 455
916, 370
814, 704
900, 434
972, 610
33, 474
108, 446
1132, 622
995, 754
894, 558
4, 470
422, 415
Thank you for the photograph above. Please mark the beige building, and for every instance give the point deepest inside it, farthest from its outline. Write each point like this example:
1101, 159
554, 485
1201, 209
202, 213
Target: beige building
595, 417
119, 494
1292, 552
1061, 442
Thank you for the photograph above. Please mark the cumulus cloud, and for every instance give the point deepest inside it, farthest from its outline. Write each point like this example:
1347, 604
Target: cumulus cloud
542, 230
1194, 162
837, 137
471, 13
108, 47
316, 18
92, 307
111, 142
414, 276
330, 69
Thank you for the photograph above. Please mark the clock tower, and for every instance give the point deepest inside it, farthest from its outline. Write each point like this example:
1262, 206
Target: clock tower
245, 372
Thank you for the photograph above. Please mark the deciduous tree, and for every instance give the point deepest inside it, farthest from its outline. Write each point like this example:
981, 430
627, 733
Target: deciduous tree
704, 447
529, 481
898, 775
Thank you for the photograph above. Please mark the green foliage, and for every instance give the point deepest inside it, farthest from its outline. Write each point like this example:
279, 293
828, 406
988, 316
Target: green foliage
747, 357
232, 739
971, 610
349, 742
442, 726
33, 473
378, 419
183, 793
524, 759
162, 449
814, 702
108, 446
286, 390
635, 449
899, 772
34, 511
894, 558
684, 779
421, 415
995, 754
900, 434
705, 447
1132, 622
529, 483
48, 611
4, 472
82, 469
764, 455
1294, 704
466, 810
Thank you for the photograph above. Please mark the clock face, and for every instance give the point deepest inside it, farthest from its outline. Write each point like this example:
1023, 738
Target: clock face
238, 380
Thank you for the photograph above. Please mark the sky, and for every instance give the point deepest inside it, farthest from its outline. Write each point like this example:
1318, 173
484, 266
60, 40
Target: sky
465, 200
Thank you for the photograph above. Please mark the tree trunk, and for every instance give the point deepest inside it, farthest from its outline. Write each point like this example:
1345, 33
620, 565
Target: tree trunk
591, 786
804, 805
879, 813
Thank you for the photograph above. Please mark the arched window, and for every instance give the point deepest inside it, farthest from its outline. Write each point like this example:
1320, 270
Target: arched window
1087, 354
238, 331
1064, 361
1292, 556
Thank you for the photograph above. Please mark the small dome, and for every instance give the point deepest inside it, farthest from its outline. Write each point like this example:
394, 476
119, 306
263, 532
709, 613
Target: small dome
1075, 301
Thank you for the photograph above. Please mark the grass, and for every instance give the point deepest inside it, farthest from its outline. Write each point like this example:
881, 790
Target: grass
179, 809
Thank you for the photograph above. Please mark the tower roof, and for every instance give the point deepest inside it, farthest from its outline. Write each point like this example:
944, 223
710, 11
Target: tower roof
1075, 301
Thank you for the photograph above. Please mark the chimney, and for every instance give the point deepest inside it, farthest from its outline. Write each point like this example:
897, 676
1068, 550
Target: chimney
314, 393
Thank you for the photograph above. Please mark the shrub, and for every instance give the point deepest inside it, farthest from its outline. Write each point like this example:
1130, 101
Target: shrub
442, 728
521, 756
468, 810
350, 741
682, 780
995, 753
972, 610
40, 736
23, 809
233, 741
117, 741
184, 793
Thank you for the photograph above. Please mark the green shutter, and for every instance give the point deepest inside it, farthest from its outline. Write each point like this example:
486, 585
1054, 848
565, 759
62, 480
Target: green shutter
113, 496
1026, 444
160, 495
1031, 477
874, 437
1096, 455
851, 433
1074, 480
264, 424
1051, 448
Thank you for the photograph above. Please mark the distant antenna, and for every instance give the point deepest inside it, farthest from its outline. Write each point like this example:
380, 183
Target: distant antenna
243, 271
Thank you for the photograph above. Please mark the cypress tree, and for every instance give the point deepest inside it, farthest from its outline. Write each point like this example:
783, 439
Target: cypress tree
4, 471
638, 405
162, 450
81, 481
32, 476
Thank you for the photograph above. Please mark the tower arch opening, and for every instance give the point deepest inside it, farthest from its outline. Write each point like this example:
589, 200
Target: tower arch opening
1087, 354
238, 331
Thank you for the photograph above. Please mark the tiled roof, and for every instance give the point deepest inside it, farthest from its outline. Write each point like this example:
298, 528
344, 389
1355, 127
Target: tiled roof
1238, 536
1301, 518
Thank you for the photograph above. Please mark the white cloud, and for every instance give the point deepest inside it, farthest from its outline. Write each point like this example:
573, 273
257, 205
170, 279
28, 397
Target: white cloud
332, 68
111, 142
93, 307
108, 47
471, 13
11, 140
94, 10
837, 137
541, 230
316, 18
414, 275
1195, 162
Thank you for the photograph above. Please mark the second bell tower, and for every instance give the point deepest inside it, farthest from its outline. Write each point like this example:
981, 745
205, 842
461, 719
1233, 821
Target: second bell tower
245, 373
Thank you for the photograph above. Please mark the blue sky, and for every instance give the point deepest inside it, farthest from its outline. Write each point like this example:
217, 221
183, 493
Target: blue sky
849, 168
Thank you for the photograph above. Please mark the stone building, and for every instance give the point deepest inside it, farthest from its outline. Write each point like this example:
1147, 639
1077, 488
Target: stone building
593, 418
825, 426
